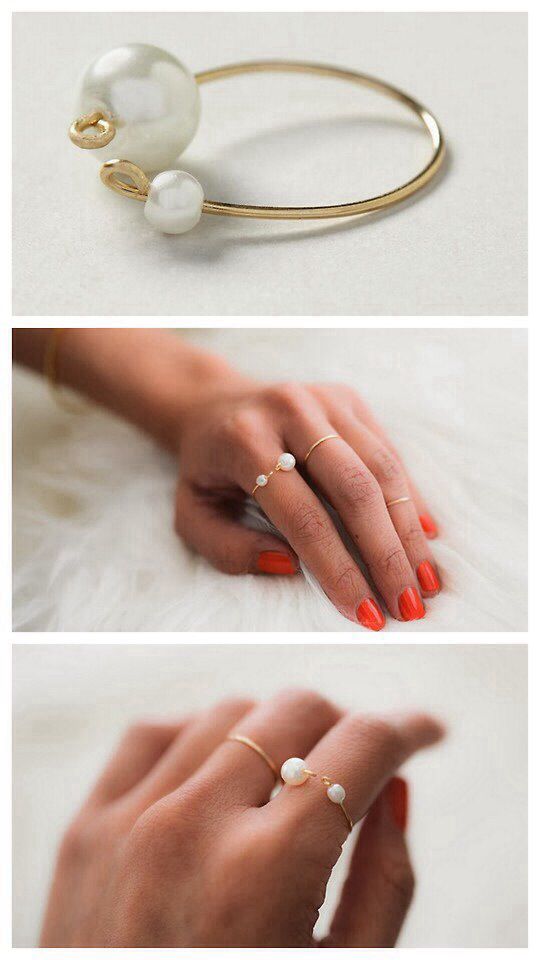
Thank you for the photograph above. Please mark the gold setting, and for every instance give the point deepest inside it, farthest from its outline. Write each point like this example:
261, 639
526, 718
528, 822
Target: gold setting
126, 178
103, 126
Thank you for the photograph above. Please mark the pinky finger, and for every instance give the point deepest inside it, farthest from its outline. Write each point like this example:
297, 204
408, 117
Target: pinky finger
232, 548
379, 888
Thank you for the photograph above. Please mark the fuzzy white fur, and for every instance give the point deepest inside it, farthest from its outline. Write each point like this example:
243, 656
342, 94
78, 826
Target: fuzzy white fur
93, 499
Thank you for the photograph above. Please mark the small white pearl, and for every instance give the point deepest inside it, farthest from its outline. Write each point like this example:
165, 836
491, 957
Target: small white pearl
294, 771
174, 203
287, 461
153, 99
261, 480
336, 793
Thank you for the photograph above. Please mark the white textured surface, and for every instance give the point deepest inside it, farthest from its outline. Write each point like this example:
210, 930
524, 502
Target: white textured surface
93, 500
459, 248
468, 824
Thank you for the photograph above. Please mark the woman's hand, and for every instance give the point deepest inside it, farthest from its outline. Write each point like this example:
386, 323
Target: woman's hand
179, 843
228, 430
236, 431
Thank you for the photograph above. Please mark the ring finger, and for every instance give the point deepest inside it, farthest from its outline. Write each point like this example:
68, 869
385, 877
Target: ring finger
393, 482
353, 491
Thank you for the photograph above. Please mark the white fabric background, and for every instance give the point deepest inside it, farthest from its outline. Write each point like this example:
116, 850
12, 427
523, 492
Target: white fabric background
468, 826
94, 547
459, 248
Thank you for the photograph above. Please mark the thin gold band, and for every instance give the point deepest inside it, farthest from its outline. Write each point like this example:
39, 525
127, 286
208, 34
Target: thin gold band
392, 503
112, 168
237, 738
330, 436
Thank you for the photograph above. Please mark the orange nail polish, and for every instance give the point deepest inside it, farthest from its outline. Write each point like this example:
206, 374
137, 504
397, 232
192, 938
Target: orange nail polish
410, 604
428, 525
427, 578
370, 614
273, 562
399, 802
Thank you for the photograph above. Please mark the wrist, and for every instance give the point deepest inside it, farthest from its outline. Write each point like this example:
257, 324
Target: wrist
150, 378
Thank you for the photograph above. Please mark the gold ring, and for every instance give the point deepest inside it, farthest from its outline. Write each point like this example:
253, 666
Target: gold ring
392, 503
139, 140
329, 436
286, 462
238, 738
294, 773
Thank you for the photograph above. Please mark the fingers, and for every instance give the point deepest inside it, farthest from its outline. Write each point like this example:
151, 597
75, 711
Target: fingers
361, 753
354, 492
297, 511
291, 721
427, 522
392, 479
186, 754
228, 545
380, 883
139, 750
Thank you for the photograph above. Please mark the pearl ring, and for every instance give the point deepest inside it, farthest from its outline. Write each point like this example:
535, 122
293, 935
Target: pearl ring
138, 109
294, 772
285, 462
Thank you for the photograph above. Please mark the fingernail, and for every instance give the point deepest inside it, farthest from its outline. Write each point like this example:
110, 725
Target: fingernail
428, 525
399, 801
270, 561
370, 614
410, 604
427, 578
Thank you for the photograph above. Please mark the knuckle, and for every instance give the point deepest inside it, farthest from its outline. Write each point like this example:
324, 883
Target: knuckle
399, 876
309, 703
390, 560
357, 486
379, 735
345, 582
75, 843
386, 467
288, 397
413, 535
241, 428
311, 525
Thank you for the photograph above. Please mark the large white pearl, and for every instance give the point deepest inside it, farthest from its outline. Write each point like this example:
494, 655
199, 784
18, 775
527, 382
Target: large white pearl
174, 203
336, 793
294, 772
152, 98
287, 461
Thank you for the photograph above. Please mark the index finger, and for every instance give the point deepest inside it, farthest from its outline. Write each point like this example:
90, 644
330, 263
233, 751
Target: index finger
360, 753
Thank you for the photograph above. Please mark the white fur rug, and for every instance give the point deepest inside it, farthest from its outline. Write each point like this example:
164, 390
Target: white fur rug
94, 547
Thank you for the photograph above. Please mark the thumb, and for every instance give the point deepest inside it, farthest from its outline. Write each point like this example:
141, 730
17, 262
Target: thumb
379, 887
208, 528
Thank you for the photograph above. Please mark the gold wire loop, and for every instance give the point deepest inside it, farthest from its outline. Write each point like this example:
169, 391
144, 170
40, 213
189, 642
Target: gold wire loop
103, 126
126, 178
238, 738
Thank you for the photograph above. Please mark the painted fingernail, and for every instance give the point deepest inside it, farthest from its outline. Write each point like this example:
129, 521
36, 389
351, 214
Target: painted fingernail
428, 525
399, 802
410, 604
270, 561
370, 614
427, 578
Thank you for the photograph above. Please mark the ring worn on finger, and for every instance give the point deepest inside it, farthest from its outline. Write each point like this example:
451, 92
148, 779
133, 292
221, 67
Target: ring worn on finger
248, 742
286, 462
392, 503
329, 436
294, 773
